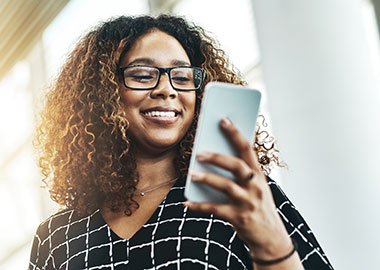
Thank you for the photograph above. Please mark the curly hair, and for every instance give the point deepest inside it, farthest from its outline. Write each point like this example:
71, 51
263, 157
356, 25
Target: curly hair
86, 157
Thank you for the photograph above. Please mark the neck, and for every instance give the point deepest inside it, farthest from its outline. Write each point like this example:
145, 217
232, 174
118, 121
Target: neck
154, 170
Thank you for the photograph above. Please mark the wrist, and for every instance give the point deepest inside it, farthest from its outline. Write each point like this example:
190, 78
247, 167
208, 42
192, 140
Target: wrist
272, 251
269, 260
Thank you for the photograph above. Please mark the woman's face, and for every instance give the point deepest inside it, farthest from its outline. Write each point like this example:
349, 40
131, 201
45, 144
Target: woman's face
158, 118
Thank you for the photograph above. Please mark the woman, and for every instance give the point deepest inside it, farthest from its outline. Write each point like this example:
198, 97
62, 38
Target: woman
116, 138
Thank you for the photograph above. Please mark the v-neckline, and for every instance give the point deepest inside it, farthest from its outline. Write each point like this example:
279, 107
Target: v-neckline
114, 235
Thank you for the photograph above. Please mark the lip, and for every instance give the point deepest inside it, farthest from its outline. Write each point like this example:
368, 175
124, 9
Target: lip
161, 120
161, 109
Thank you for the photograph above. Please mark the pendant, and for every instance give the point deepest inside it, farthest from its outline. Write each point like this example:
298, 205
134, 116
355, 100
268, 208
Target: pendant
142, 193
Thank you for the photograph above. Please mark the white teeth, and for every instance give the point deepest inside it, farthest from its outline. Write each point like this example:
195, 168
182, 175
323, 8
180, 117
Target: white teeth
160, 114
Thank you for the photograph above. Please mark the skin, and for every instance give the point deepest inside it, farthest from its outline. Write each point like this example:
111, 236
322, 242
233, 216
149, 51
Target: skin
155, 139
158, 49
251, 208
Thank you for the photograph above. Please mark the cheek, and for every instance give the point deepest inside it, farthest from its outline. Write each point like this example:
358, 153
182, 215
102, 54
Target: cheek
191, 104
132, 98
189, 99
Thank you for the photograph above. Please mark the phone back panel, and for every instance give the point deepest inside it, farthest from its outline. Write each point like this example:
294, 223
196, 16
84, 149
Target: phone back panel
239, 104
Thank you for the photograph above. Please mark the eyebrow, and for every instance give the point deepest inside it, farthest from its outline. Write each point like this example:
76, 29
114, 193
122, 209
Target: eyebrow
180, 63
150, 61
147, 61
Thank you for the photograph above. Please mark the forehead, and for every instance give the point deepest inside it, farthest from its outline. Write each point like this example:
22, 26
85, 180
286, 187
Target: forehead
158, 48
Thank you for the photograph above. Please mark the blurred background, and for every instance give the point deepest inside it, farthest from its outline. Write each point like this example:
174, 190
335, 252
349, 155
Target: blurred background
316, 62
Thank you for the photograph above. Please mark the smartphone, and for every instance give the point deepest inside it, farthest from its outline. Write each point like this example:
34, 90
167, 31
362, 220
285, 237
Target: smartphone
239, 104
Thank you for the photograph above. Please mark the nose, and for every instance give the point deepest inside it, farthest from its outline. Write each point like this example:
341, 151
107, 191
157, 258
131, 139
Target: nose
164, 88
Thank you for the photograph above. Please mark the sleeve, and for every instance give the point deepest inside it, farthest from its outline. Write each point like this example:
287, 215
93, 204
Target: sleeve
40, 258
309, 250
35, 262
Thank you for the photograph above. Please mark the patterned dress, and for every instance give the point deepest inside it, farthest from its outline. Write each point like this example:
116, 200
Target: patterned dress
173, 238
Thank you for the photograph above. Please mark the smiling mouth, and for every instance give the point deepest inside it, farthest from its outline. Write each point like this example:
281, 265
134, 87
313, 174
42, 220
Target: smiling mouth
162, 114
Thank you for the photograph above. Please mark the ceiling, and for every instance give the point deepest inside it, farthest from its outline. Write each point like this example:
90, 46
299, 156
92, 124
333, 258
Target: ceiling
21, 26
23, 22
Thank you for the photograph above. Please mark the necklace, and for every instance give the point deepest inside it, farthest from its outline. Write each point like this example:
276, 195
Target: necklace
142, 193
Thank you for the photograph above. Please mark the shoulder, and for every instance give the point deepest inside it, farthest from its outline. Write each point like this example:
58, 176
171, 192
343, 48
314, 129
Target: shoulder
63, 225
288, 212
55, 222
53, 235
309, 250
47, 238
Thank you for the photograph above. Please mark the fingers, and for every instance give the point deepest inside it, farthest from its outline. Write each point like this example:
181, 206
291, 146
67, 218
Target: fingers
221, 210
241, 144
238, 167
218, 182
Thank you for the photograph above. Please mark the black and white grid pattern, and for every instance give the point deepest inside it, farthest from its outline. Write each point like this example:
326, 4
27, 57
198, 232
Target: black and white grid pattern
173, 238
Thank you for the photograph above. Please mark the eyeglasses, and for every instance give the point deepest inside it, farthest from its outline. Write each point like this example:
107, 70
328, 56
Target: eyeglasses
144, 77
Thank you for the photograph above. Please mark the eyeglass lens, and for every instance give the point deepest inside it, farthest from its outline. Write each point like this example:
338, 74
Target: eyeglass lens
186, 78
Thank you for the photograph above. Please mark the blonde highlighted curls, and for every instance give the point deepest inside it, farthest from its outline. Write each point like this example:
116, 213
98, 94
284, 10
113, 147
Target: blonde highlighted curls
86, 157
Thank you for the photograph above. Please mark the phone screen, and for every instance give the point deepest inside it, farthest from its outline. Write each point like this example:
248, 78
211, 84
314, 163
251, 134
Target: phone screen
241, 105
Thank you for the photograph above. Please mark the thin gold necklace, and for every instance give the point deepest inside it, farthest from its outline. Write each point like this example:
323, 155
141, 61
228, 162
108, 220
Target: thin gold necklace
142, 193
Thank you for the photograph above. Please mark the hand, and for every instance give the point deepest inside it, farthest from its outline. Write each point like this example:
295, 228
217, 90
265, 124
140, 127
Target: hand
251, 209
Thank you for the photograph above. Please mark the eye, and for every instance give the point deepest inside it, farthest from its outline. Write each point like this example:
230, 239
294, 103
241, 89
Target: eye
141, 78
182, 75
180, 79
140, 74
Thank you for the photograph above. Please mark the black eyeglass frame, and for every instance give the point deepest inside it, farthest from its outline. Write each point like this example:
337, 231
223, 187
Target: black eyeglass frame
161, 71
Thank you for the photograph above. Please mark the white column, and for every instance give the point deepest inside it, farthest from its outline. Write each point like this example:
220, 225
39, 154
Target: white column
325, 108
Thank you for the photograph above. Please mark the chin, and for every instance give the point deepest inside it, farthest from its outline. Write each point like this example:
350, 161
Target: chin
165, 138
166, 144
159, 146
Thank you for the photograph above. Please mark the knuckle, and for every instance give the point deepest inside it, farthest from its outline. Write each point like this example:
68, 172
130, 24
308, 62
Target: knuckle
259, 193
244, 167
239, 165
244, 219
212, 208
246, 146
214, 156
230, 187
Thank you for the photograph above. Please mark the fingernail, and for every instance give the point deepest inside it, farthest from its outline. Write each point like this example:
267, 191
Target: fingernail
203, 156
187, 204
196, 175
226, 122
